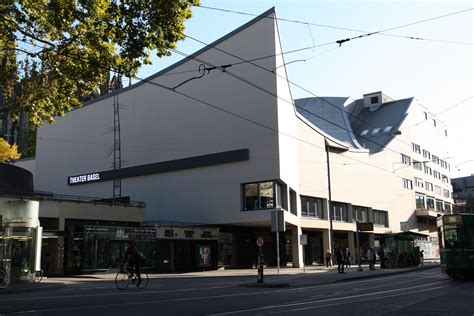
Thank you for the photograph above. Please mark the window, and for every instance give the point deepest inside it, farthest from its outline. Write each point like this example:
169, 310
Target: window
447, 207
262, 195
406, 159
429, 186
436, 174
374, 100
340, 212
381, 218
311, 207
360, 214
444, 178
420, 200
428, 170
435, 159
446, 132
434, 122
439, 206
419, 182
417, 165
376, 130
426, 154
364, 132
293, 206
387, 129
437, 189
416, 148
426, 115
444, 164
430, 202
407, 184
446, 193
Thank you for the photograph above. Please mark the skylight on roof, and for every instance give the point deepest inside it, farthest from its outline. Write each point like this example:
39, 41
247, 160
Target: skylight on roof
364, 132
387, 129
376, 130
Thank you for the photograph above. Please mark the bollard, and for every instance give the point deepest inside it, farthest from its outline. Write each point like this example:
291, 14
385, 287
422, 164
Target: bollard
260, 268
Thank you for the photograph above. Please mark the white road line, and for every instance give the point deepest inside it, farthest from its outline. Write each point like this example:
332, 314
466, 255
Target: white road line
362, 300
115, 293
326, 300
134, 303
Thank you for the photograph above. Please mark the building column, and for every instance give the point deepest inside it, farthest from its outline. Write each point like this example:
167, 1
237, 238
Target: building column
351, 245
297, 249
371, 240
326, 241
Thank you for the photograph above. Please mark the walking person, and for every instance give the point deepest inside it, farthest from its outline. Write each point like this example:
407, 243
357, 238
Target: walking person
422, 257
328, 259
348, 258
382, 257
371, 258
340, 260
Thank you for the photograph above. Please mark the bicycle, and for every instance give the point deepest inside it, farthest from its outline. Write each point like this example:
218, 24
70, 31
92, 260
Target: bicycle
35, 276
4, 279
124, 277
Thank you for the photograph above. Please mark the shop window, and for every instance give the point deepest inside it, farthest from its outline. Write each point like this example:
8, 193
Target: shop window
340, 212
360, 214
262, 195
311, 207
381, 218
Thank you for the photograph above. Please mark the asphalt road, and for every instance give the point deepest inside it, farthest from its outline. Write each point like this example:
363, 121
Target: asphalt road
425, 292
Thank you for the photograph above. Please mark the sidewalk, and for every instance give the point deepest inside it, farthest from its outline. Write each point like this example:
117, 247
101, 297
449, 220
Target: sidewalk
295, 277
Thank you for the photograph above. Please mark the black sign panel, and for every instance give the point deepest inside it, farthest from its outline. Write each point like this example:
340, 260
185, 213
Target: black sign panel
366, 227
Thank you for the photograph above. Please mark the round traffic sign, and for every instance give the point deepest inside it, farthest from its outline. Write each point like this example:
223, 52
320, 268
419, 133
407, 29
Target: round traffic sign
260, 241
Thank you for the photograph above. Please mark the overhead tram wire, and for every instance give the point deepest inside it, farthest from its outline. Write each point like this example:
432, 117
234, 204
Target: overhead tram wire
381, 32
232, 113
296, 85
284, 100
258, 87
444, 111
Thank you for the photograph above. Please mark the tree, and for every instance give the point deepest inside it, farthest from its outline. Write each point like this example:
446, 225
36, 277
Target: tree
8, 152
54, 52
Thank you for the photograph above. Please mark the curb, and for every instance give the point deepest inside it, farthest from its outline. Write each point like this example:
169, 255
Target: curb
385, 274
35, 288
264, 285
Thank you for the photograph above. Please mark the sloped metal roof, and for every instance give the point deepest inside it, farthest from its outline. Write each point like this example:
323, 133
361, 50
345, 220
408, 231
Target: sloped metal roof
389, 114
329, 115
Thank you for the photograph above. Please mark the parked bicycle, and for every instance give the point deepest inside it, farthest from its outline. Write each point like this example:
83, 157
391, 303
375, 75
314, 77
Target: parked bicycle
4, 279
35, 276
126, 276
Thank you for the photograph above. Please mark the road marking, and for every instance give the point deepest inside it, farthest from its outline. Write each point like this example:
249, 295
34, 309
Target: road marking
132, 303
115, 293
362, 300
326, 300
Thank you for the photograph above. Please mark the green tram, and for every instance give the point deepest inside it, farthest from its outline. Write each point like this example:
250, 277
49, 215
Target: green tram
456, 238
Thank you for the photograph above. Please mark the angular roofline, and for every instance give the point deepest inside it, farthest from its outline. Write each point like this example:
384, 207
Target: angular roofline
184, 60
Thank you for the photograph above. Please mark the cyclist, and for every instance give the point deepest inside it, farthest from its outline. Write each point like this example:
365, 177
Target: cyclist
133, 258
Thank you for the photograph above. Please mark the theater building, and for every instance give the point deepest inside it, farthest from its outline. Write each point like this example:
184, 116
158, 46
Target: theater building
227, 145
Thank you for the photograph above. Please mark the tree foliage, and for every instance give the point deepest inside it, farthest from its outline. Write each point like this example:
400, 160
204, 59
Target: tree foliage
8, 152
53, 52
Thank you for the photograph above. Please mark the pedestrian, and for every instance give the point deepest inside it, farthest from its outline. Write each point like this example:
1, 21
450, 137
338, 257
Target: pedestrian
371, 258
422, 259
340, 260
328, 258
348, 258
382, 257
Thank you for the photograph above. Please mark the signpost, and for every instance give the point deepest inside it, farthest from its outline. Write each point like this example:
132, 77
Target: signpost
304, 242
278, 225
362, 227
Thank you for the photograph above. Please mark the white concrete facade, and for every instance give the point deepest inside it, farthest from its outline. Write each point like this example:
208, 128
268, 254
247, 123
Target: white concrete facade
247, 105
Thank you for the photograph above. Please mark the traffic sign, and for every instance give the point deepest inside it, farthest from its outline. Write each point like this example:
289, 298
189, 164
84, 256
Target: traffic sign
303, 240
260, 241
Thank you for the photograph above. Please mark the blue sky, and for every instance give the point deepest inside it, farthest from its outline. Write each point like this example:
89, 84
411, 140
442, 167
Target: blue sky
438, 74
